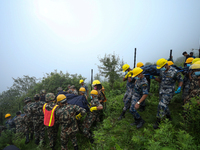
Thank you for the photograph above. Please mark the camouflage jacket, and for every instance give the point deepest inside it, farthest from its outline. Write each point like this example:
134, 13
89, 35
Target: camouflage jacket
141, 87
100, 95
194, 88
168, 80
130, 85
27, 110
95, 102
20, 124
67, 117
37, 110
75, 92
50, 106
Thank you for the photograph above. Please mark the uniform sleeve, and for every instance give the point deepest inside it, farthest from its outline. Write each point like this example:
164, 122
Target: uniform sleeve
145, 89
178, 77
80, 110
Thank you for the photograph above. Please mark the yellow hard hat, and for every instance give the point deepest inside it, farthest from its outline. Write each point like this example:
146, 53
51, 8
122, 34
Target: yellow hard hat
195, 60
140, 64
189, 60
82, 89
136, 71
94, 92
7, 115
81, 81
161, 62
125, 67
170, 63
95, 82
61, 98
196, 65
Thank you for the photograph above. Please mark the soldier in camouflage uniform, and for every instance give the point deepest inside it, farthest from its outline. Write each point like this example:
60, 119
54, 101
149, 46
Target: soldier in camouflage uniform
52, 131
167, 79
38, 119
73, 89
92, 115
20, 124
66, 115
101, 97
186, 80
28, 119
129, 89
140, 93
195, 83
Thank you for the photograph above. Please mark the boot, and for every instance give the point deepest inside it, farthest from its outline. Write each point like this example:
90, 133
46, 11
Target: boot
156, 125
134, 123
140, 123
76, 147
122, 115
91, 140
37, 142
27, 139
31, 136
53, 148
169, 117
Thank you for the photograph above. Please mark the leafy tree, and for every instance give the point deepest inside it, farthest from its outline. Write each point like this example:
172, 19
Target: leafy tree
111, 67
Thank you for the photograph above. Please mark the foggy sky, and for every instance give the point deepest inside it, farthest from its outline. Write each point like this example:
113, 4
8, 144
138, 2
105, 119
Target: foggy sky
37, 37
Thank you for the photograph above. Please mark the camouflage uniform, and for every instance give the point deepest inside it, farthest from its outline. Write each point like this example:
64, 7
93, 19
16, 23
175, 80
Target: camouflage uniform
140, 89
52, 131
167, 89
90, 118
128, 95
186, 87
101, 113
20, 124
66, 116
28, 119
38, 120
75, 92
194, 88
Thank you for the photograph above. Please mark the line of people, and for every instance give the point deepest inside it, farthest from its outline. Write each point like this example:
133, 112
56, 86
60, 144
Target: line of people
55, 111
138, 87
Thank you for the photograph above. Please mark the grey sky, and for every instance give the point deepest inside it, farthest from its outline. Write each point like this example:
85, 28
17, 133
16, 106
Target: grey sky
37, 37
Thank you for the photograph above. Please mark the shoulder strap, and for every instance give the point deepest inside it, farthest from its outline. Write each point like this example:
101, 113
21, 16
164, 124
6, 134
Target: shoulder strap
44, 107
52, 114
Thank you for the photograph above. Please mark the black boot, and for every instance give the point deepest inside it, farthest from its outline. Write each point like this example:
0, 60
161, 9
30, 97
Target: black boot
31, 136
156, 125
91, 140
134, 123
122, 115
169, 117
76, 147
140, 123
27, 139
37, 142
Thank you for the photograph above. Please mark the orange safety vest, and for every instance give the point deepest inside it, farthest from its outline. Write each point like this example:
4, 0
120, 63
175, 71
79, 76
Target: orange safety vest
49, 117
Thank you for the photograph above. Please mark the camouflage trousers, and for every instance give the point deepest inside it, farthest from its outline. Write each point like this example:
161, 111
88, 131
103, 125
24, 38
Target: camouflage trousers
193, 93
127, 100
65, 138
52, 134
39, 129
90, 118
185, 93
163, 109
28, 125
132, 109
